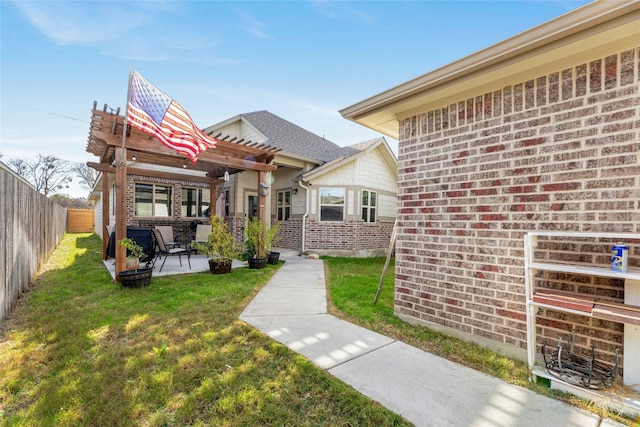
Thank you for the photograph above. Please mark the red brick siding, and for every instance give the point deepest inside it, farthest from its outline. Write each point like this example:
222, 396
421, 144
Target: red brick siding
557, 152
290, 234
347, 236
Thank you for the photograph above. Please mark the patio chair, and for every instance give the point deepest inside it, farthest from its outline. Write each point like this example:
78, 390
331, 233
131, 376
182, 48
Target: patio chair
110, 239
166, 252
167, 235
202, 233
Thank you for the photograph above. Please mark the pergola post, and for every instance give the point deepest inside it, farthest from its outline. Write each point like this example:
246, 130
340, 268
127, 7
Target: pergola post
213, 200
121, 208
105, 213
262, 196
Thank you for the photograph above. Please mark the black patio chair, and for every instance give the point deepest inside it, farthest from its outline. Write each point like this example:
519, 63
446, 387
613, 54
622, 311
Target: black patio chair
164, 251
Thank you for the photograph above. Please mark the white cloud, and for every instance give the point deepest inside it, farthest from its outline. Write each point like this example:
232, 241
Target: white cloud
80, 23
126, 30
251, 25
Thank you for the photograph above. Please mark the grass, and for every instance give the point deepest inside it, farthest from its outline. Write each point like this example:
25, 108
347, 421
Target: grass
353, 286
79, 350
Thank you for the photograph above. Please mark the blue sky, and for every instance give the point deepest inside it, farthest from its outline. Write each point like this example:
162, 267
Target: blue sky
301, 60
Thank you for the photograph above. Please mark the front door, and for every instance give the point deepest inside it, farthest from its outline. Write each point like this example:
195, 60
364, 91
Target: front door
251, 206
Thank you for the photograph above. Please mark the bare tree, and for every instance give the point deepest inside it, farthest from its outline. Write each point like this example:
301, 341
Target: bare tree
70, 202
47, 173
88, 176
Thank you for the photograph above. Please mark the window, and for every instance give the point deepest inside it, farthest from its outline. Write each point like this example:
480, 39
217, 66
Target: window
196, 202
153, 200
284, 205
369, 205
226, 202
332, 204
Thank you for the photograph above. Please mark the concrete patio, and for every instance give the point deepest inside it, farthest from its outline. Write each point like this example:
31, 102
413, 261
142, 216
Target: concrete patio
199, 264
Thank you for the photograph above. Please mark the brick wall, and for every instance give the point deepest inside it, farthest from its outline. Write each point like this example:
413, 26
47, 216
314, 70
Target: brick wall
290, 234
354, 238
556, 152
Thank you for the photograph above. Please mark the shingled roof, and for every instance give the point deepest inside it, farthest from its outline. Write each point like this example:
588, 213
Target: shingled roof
292, 139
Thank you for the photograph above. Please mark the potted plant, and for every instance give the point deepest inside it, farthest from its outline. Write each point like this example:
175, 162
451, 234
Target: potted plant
272, 238
221, 247
260, 238
134, 276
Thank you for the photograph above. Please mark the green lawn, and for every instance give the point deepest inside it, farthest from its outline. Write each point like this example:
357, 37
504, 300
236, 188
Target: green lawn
353, 283
81, 351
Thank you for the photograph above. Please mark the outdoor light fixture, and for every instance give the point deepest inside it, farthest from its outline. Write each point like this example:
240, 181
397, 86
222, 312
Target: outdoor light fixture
226, 176
294, 191
264, 189
133, 158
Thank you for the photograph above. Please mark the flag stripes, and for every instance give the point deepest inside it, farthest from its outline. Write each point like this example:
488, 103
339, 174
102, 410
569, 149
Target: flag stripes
153, 112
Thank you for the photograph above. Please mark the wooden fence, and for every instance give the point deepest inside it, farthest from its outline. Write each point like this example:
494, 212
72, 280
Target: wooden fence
31, 227
80, 220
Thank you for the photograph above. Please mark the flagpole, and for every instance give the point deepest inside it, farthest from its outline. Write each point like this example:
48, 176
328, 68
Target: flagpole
126, 117
120, 193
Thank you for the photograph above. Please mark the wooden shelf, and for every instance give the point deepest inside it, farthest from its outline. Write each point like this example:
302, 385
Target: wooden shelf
579, 234
591, 271
583, 304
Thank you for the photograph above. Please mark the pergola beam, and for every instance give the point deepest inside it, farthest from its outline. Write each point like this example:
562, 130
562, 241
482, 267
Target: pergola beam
159, 153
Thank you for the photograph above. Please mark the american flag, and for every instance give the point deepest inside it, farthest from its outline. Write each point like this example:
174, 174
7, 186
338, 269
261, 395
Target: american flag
152, 111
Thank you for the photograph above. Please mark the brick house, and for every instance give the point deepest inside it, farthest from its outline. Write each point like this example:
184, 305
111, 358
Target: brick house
538, 132
329, 199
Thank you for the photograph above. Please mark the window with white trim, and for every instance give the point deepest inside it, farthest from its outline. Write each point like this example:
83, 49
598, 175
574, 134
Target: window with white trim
283, 205
153, 200
332, 204
196, 202
369, 200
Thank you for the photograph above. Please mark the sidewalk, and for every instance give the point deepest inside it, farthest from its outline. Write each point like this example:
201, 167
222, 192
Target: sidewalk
425, 389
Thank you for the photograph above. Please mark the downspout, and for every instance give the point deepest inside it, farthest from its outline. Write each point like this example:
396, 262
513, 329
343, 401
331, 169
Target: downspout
304, 216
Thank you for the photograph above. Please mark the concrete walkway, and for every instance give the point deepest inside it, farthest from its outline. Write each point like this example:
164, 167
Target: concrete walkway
425, 389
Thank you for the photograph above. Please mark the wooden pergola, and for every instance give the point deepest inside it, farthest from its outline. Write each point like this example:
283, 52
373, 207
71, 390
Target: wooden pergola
105, 141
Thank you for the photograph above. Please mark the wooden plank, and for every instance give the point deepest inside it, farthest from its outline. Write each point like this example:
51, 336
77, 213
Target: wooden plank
620, 314
386, 263
560, 299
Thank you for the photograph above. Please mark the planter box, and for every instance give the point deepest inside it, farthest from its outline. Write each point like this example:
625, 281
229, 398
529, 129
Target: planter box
135, 278
274, 257
257, 263
217, 267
